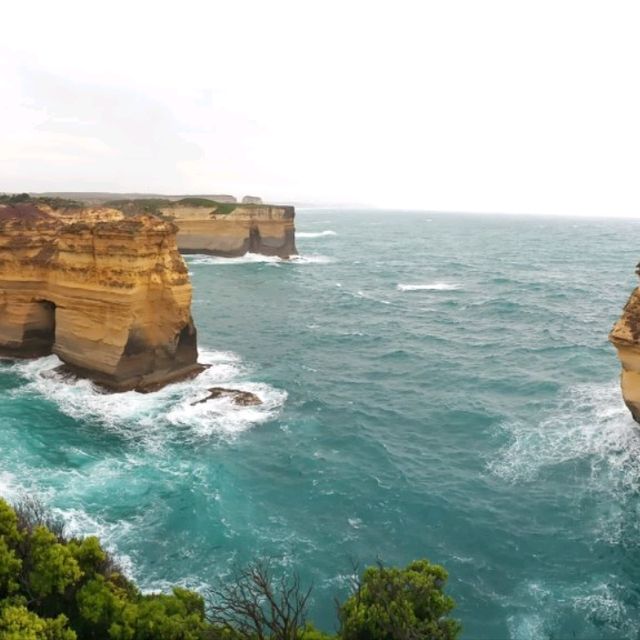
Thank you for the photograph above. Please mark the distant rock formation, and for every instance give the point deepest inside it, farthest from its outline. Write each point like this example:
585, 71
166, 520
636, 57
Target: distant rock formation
232, 230
109, 295
251, 200
216, 225
625, 337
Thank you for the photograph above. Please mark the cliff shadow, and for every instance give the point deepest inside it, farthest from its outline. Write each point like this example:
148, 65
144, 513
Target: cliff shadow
40, 336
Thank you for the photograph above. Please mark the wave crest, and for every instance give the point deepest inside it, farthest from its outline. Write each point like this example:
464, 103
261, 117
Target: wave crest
155, 418
315, 234
434, 286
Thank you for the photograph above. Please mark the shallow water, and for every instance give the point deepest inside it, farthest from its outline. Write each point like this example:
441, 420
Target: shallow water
435, 385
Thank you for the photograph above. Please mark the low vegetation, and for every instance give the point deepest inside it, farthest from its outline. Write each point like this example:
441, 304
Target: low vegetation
57, 588
152, 206
53, 202
155, 206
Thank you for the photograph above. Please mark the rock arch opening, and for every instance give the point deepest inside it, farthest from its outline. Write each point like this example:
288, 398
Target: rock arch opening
39, 330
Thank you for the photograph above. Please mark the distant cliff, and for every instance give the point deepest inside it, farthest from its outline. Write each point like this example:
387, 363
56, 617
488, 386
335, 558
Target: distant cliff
227, 229
109, 295
230, 231
625, 336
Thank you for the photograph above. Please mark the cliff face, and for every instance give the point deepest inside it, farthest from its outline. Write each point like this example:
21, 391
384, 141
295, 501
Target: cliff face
110, 296
233, 231
625, 336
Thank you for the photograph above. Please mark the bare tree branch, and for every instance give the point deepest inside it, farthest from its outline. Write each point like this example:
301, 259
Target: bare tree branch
259, 606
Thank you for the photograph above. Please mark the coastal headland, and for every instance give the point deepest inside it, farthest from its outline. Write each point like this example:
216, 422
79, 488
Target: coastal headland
108, 294
215, 225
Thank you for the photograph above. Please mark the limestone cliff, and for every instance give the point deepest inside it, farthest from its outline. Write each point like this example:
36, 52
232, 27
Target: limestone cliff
109, 295
226, 229
625, 336
230, 231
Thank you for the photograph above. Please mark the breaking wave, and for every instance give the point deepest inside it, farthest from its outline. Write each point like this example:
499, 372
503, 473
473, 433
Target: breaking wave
435, 286
315, 234
154, 417
255, 258
591, 427
591, 422
247, 258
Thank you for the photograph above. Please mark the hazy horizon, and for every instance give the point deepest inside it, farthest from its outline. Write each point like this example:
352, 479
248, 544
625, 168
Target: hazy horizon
493, 107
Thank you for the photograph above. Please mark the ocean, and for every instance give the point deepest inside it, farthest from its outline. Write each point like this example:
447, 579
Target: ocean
434, 385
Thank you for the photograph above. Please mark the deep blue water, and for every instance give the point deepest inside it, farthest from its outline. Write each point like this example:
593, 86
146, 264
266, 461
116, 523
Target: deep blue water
475, 421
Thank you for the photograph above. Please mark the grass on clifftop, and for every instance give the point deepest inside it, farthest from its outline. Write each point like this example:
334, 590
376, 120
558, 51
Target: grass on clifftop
143, 205
54, 203
222, 208
155, 206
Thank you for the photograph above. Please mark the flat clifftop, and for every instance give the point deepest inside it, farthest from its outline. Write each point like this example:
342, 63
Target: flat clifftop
109, 294
625, 337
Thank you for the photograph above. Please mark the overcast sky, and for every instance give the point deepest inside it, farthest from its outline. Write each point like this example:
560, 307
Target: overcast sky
507, 106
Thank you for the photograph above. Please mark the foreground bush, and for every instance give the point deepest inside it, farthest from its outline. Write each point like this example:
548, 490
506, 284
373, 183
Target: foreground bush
399, 604
54, 588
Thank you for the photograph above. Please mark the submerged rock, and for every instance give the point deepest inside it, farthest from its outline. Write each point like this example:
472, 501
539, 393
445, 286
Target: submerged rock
239, 397
109, 295
625, 337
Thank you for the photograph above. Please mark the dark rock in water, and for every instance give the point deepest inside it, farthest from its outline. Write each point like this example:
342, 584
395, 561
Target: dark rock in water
242, 398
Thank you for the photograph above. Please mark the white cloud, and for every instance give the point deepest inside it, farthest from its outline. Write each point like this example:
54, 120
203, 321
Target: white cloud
485, 106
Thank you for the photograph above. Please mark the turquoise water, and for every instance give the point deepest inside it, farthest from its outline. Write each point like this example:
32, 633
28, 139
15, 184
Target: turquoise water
436, 386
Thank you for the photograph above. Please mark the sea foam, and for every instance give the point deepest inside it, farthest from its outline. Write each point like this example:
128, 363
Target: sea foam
255, 258
247, 258
434, 286
315, 234
152, 418
591, 426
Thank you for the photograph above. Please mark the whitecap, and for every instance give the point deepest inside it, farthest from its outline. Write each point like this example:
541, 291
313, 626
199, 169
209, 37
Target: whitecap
600, 606
152, 418
247, 258
366, 296
591, 425
590, 422
311, 259
315, 234
79, 524
435, 286
256, 258
8, 489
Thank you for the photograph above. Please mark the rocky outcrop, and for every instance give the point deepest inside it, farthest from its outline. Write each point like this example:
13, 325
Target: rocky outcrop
252, 200
109, 295
242, 398
233, 230
625, 337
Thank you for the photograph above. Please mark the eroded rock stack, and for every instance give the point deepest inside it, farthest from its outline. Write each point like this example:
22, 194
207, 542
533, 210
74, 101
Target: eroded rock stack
109, 294
625, 336
232, 231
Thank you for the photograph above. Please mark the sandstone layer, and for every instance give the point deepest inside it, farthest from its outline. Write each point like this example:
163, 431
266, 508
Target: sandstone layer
625, 336
109, 295
233, 231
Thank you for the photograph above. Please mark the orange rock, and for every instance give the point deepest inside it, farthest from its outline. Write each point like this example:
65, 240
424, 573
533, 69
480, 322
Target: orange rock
264, 229
109, 295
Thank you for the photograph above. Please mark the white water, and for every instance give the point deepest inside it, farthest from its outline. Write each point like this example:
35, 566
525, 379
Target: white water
153, 417
315, 234
435, 286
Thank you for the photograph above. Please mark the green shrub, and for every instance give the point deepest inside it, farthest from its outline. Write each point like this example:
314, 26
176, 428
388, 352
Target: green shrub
54, 588
400, 604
